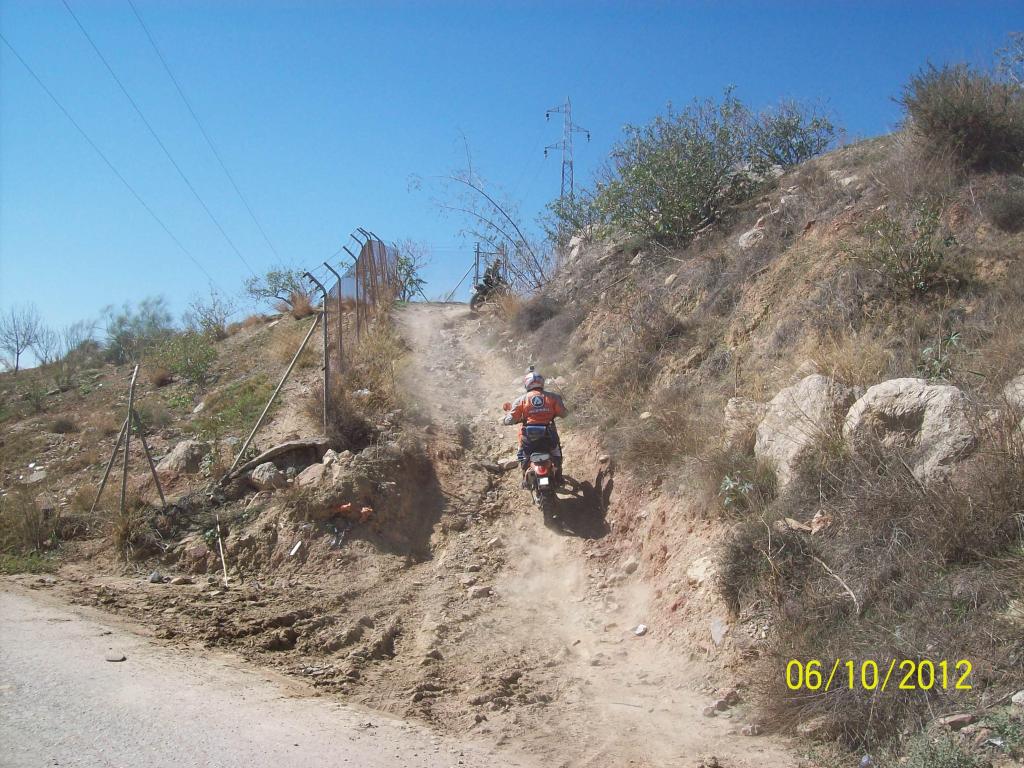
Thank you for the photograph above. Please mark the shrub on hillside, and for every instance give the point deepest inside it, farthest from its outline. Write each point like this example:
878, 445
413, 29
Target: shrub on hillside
789, 135
133, 331
280, 286
159, 376
668, 179
63, 425
300, 305
911, 256
189, 354
209, 315
348, 428
970, 114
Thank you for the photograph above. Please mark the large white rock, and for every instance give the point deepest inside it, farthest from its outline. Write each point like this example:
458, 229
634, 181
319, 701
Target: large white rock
796, 419
267, 477
186, 458
931, 422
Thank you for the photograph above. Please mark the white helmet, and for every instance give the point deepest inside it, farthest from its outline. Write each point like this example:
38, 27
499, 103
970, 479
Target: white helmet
533, 380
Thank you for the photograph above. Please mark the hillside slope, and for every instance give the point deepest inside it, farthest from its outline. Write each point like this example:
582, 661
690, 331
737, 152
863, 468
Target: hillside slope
719, 376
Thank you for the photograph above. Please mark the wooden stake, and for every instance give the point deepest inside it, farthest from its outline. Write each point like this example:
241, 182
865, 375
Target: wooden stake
127, 441
149, 457
110, 464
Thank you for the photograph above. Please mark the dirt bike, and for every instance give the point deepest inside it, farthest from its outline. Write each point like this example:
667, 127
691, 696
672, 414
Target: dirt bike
543, 476
484, 292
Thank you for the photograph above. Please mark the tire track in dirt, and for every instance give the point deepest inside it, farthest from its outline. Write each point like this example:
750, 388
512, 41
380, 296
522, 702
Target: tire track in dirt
617, 698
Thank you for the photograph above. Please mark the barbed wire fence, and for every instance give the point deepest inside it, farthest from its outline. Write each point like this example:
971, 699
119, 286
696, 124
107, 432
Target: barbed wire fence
357, 297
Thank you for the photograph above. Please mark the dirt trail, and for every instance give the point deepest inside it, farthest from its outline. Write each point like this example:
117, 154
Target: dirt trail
619, 698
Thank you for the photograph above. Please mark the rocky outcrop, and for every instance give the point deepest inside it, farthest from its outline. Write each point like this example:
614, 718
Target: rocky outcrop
739, 424
929, 422
267, 477
186, 458
795, 421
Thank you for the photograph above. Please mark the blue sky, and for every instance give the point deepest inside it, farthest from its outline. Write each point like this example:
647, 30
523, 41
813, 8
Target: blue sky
324, 111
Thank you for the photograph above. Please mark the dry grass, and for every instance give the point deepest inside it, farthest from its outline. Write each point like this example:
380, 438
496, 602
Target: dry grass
1004, 205
24, 527
299, 305
83, 497
285, 342
105, 424
373, 367
508, 306
912, 176
856, 359
932, 568
348, 429
131, 532
155, 415
250, 322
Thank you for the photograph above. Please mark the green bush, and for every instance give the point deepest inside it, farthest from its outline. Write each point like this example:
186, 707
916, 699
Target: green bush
189, 355
790, 134
942, 752
132, 331
912, 256
968, 114
680, 172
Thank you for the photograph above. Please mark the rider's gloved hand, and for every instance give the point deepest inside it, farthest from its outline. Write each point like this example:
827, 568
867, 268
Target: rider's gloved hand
507, 421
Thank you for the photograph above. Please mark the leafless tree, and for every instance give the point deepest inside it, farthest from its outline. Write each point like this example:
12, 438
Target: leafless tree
495, 220
47, 346
1011, 58
19, 330
75, 336
210, 314
412, 258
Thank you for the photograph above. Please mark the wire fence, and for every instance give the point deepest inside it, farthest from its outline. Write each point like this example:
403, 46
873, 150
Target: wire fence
366, 287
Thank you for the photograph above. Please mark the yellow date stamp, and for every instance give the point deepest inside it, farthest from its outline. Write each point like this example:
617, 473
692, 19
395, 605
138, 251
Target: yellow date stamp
871, 675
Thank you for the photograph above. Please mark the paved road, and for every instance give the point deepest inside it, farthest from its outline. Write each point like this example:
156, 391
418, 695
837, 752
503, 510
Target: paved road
63, 704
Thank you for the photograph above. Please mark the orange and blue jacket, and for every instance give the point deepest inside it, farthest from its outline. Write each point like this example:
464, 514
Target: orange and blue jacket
537, 407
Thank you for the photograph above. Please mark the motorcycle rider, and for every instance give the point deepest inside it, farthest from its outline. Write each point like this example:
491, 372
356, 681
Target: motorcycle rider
534, 410
491, 280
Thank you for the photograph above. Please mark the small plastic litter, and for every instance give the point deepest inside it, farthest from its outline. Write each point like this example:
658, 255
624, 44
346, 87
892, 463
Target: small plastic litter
640, 629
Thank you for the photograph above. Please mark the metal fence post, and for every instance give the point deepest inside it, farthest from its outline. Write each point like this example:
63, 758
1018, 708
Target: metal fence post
341, 320
327, 349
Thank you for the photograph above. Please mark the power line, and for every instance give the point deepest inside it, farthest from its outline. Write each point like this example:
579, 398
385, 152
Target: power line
106, 160
153, 132
202, 129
